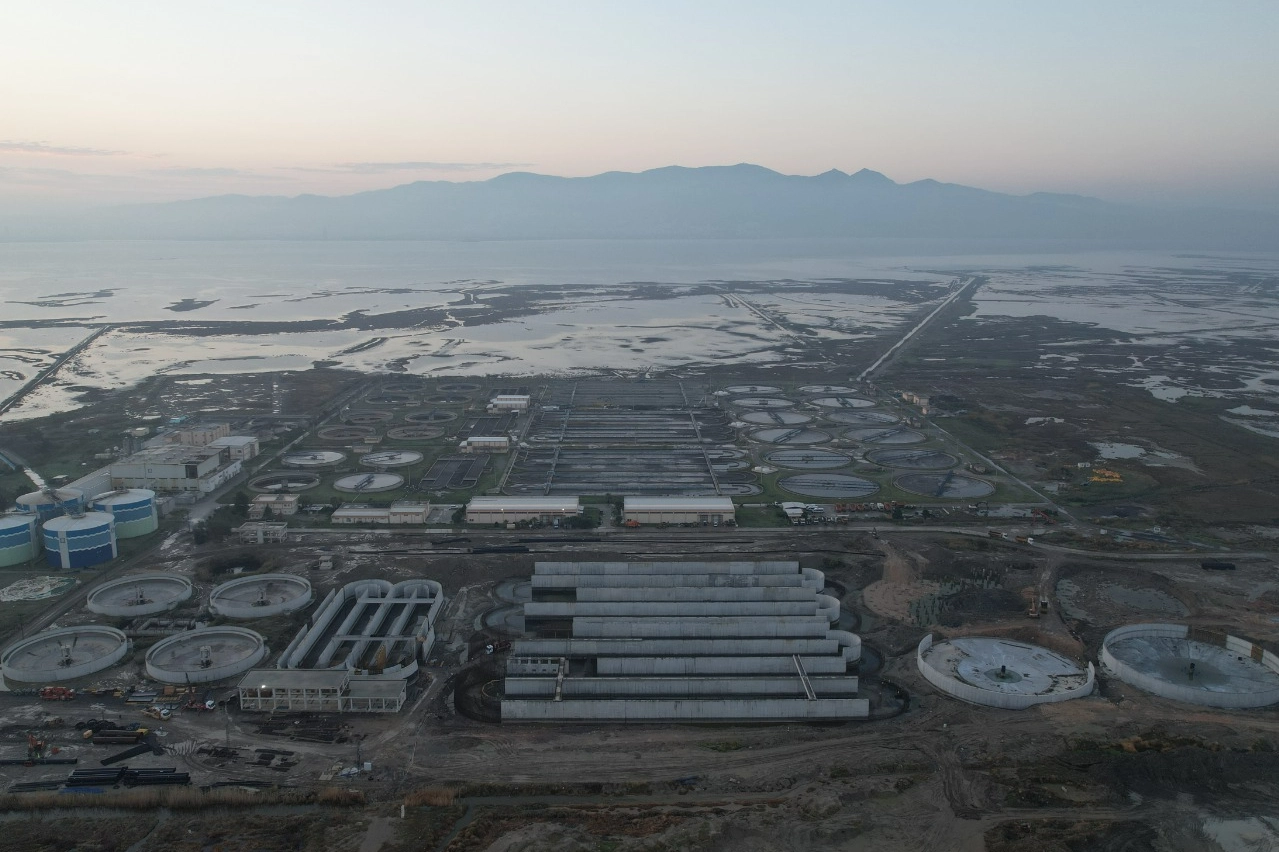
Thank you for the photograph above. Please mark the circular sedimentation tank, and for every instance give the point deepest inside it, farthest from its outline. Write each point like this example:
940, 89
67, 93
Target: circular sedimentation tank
205, 655
366, 418
791, 435
62, 501
843, 402
837, 485
414, 433
430, 416
79, 541
864, 417
828, 389
999, 672
459, 387
276, 483
912, 459
740, 389
1194, 666
369, 483
944, 486
775, 418
260, 596
64, 654
807, 459
134, 511
763, 402
389, 399
345, 433
884, 435
313, 458
391, 458
139, 594
19, 539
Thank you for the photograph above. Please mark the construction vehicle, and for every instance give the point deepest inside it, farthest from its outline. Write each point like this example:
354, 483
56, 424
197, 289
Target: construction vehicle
154, 712
35, 748
56, 693
498, 647
1034, 608
632, 523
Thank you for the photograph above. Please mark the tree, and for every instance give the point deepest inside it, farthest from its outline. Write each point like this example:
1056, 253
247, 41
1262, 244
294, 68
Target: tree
897, 513
267, 514
241, 503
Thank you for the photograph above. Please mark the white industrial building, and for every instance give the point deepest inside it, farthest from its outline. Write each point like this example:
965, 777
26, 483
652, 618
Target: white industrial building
399, 512
261, 532
199, 435
510, 402
176, 467
663, 641
679, 510
279, 504
485, 444
242, 447
500, 510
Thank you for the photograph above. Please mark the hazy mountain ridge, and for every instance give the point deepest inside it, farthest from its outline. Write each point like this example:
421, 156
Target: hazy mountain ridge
741, 201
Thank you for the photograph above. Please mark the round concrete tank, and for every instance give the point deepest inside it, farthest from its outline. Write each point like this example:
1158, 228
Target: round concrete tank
313, 458
205, 655
999, 672
365, 483
1193, 665
63, 501
19, 541
63, 654
133, 509
80, 541
139, 594
391, 458
260, 596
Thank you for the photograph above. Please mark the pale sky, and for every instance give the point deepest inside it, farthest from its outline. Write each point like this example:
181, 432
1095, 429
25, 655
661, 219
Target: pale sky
1156, 102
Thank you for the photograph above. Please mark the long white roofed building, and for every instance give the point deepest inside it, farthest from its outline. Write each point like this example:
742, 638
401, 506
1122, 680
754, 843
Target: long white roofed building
698, 641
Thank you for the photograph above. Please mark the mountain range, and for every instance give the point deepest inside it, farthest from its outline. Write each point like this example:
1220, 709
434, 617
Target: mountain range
718, 202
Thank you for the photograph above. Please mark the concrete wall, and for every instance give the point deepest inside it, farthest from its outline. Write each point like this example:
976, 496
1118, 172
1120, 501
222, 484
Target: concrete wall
702, 627
673, 647
701, 710
1187, 694
1009, 701
616, 609
680, 594
744, 666
655, 687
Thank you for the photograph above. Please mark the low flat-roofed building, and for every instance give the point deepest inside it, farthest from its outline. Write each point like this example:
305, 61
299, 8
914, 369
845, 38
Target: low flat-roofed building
261, 532
510, 402
280, 504
679, 510
485, 444
241, 447
499, 510
400, 512
319, 691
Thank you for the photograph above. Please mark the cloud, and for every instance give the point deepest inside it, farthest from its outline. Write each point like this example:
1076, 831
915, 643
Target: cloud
215, 172
414, 166
55, 150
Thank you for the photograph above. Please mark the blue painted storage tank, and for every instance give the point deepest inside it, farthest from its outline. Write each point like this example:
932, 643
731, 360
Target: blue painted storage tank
80, 541
133, 509
63, 501
18, 539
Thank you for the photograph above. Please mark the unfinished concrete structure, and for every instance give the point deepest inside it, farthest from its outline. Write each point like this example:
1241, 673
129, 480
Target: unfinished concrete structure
139, 594
704, 641
371, 626
998, 672
322, 691
1194, 665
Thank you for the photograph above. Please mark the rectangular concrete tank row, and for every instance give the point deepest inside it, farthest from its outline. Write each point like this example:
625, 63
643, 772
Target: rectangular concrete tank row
706, 641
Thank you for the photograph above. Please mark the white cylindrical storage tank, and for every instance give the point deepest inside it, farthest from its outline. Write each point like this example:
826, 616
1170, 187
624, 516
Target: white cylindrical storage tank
63, 501
73, 542
133, 509
18, 539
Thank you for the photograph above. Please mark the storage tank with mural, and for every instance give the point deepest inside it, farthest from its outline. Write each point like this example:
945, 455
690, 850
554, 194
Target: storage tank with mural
80, 541
133, 509
19, 540
51, 503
